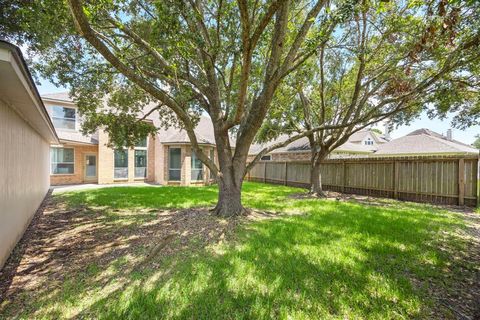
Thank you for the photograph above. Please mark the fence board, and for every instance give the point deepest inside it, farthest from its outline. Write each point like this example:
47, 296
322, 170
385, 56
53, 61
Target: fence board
421, 179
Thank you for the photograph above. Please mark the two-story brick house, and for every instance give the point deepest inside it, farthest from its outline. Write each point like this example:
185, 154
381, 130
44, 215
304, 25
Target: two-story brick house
166, 158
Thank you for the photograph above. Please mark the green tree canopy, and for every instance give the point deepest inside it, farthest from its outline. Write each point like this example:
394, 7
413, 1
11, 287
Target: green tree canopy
380, 63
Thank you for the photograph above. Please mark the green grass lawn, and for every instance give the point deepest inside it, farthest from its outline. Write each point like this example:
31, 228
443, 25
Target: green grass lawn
318, 259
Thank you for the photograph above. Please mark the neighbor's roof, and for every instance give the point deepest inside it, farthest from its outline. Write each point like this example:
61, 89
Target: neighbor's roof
18, 89
362, 134
303, 145
424, 141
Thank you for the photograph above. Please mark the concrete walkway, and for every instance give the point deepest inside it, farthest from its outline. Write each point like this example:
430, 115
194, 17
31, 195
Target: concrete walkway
88, 186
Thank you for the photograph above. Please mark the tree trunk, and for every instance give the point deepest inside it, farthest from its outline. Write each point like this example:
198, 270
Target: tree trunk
229, 202
316, 180
230, 179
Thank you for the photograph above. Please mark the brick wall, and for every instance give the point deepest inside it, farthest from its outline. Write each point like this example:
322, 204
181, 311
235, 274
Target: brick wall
79, 167
151, 159
186, 169
107, 161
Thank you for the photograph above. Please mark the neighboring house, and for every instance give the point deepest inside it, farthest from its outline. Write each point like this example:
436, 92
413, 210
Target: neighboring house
361, 143
425, 142
166, 158
26, 133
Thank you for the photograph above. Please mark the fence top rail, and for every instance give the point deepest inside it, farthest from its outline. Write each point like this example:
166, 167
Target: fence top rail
383, 159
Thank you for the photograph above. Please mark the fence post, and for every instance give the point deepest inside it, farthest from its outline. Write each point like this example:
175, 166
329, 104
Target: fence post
286, 173
344, 176
264, 172
395, 179
461, 182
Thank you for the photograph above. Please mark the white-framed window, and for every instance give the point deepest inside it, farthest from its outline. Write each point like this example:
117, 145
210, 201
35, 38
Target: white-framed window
369, 142
174, 164
197, 168
62, 160
268, 157
64, 117
120, 164
141, 159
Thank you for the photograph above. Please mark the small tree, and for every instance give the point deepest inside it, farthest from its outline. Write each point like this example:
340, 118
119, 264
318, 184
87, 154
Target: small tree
368, 69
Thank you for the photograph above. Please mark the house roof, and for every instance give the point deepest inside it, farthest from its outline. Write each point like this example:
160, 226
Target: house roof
424, 141
18, 89
203, 131
61, 96
76, 136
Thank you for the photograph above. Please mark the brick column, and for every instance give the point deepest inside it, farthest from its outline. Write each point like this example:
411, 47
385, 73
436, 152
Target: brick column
105, 159
186, 165
131, 165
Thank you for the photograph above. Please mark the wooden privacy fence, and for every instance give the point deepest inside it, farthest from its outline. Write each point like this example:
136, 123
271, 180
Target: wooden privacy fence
443, 180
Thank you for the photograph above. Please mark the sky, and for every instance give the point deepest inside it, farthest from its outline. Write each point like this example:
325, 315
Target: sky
439, 126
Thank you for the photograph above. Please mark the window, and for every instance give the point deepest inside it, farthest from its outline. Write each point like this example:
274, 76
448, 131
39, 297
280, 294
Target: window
369, 142
174, 164
62, 160
140, 163
121, 164
197, 168
266, 158
141, 159
64, 117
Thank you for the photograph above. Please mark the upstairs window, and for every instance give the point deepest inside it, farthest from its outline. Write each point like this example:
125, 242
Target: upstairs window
64, 117
62, 160
266, 158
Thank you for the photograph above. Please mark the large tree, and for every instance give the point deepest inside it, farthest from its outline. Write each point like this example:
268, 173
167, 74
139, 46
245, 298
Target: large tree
188, 57
223, 58
375, 66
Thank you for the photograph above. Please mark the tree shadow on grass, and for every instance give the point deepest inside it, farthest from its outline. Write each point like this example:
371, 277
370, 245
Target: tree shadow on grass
345, 260
70, 251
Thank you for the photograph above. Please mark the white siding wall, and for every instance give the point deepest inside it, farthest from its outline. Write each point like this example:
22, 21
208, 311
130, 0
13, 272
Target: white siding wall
24, 177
